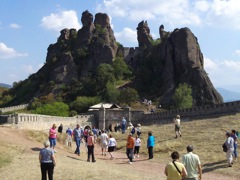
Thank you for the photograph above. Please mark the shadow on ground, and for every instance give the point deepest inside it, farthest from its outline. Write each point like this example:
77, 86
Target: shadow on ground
208, 167
36, 149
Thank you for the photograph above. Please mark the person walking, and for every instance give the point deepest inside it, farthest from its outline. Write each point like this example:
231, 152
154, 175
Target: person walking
177, 126
47, 161
103, 142
230, 149
175, 170
90, 146
235, 138
137, 144
69, 137
150, 144
129, 148
192, 164
124, 122
111, 145
53, 137
78, 135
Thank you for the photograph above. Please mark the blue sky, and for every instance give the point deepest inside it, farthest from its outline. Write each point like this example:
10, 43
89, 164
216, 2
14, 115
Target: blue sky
28, 27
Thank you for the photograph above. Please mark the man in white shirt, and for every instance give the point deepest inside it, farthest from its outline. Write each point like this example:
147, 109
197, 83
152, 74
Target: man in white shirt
193, 165
104, 142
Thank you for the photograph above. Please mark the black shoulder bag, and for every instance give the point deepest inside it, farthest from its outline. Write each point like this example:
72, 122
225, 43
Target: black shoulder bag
177, 169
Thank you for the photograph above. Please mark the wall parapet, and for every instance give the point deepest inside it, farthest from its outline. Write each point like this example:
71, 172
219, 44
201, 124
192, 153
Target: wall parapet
44, 122
208, 111
13, 108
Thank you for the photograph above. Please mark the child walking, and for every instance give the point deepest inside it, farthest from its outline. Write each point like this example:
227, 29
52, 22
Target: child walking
137, 144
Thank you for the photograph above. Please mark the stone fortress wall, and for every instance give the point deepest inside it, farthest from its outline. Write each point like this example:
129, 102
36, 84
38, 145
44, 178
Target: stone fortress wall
44, 122
103, 118
13, 108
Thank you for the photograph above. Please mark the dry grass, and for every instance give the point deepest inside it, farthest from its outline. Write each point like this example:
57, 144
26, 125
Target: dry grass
7, 153
207, 137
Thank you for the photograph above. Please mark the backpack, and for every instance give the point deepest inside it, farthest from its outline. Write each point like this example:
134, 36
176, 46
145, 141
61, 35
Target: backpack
224, 146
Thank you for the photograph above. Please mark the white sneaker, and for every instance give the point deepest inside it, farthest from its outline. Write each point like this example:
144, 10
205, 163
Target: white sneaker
133, 157
130, 162
137, 155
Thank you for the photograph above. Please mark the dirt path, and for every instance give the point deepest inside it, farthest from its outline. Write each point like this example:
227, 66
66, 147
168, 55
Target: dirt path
70, 166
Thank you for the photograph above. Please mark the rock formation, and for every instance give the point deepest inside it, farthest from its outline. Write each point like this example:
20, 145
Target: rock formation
176, 59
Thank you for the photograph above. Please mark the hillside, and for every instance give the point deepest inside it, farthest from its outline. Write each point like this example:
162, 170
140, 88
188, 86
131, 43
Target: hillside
5, 85
228, 95
90, 62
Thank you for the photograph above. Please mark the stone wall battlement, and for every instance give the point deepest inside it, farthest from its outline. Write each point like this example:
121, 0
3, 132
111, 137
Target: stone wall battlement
13, 108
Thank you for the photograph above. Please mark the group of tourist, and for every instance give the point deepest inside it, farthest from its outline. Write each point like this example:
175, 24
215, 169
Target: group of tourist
188, 169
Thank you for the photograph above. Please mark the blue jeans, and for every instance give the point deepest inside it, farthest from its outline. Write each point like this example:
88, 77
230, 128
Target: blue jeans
123, 128
129, 152
78, 142
235, 153
52, 142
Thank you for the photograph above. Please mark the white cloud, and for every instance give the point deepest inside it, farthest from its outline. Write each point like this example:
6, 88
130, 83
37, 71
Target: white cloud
223, 73
7, 53
15, 26
28, 68
237, 52
216, 13
126, 34
61, 20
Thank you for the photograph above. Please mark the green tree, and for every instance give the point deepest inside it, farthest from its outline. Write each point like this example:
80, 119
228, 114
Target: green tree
53, 109
183, 96
82, 103
104, 75
127, 96
121, 70
111, 94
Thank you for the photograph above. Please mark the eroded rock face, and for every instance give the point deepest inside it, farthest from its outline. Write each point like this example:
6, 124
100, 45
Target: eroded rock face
179, 61
87, 18
143, 35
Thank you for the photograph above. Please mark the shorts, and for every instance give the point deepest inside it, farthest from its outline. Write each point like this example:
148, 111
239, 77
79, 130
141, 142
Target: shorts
69, 138
111, 148
104, 145
52, 141
177, 127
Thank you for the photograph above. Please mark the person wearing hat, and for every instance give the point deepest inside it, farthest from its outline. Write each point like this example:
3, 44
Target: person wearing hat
193, 165
129, 148
177, 126
230, 149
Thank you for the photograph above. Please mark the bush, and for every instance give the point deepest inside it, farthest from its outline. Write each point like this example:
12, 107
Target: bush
53, 109
82, 103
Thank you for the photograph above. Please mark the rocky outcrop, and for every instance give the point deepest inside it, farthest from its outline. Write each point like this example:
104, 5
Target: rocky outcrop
177, 59
143, 35
173, 59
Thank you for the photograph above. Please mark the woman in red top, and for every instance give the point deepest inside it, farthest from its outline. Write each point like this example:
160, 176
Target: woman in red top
53, 137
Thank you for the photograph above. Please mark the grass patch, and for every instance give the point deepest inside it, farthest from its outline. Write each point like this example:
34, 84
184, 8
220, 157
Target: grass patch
7, 153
